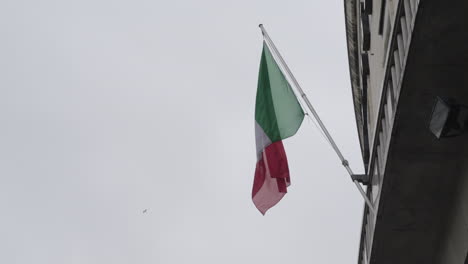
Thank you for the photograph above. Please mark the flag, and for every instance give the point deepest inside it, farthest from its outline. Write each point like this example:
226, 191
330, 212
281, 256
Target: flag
278, 115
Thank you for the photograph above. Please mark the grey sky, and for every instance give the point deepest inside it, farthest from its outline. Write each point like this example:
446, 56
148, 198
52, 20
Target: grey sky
111, 107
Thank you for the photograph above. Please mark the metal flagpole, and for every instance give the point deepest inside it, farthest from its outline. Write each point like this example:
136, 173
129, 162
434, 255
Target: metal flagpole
312, 110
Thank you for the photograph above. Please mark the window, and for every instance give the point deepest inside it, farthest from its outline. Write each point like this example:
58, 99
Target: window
369, 7
365, 29
382, 16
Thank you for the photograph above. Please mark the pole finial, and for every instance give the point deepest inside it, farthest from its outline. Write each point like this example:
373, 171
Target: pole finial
262, 29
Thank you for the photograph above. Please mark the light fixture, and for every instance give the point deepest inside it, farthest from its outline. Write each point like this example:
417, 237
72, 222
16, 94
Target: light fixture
448, 118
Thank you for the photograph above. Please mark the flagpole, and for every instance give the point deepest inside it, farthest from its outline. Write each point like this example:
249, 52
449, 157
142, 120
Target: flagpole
344, 162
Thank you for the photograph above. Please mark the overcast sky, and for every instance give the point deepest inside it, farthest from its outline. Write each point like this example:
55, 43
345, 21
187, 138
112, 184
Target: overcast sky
108, 108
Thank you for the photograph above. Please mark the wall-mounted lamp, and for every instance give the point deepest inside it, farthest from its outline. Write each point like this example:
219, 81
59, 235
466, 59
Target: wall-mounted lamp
448, 119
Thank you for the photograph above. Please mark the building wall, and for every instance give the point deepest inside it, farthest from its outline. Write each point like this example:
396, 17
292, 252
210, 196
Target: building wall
454, 242
376, 63
380, 41
386, 56
374, 81
413, 191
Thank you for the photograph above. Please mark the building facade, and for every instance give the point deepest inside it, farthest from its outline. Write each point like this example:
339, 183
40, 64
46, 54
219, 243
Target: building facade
403, 54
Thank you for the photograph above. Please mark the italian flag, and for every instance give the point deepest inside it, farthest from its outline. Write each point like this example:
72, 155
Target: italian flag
278, 115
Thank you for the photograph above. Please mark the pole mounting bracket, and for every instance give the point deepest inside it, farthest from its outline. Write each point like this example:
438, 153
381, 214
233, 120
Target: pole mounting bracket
362, 178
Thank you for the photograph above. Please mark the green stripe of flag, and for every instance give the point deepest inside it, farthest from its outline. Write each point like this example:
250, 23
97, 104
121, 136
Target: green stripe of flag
277, 110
